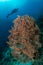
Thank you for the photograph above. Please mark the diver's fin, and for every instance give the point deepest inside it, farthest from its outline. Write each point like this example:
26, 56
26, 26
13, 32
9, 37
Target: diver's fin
7, 15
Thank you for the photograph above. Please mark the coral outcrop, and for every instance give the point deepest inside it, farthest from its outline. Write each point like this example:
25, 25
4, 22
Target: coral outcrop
24, 39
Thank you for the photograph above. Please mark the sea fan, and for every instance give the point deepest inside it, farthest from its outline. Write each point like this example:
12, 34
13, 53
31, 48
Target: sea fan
24, 39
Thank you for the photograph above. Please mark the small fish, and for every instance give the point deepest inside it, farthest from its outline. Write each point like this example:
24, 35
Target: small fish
13, 11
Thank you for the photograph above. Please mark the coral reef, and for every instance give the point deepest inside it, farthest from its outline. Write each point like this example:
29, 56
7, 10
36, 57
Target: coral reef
24, 39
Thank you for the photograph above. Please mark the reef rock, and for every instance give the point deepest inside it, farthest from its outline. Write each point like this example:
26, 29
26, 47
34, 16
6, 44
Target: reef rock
24, 39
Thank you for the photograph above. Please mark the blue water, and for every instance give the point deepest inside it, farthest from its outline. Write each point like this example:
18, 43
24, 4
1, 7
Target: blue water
25, 7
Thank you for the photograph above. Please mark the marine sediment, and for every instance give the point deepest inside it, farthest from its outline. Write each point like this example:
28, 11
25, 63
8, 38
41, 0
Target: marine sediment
24, 39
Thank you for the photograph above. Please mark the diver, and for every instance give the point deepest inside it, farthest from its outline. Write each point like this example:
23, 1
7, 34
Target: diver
12, 12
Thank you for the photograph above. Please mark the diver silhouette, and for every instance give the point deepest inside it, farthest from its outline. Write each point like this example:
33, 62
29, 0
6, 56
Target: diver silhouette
12, 12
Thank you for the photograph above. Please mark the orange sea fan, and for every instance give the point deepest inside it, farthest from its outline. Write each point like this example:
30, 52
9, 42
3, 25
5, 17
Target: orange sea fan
24, 39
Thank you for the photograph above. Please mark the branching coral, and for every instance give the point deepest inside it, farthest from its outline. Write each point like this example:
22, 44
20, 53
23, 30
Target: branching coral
24, 39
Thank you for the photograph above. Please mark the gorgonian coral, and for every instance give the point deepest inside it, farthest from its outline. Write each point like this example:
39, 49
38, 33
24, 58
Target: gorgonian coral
24, 39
